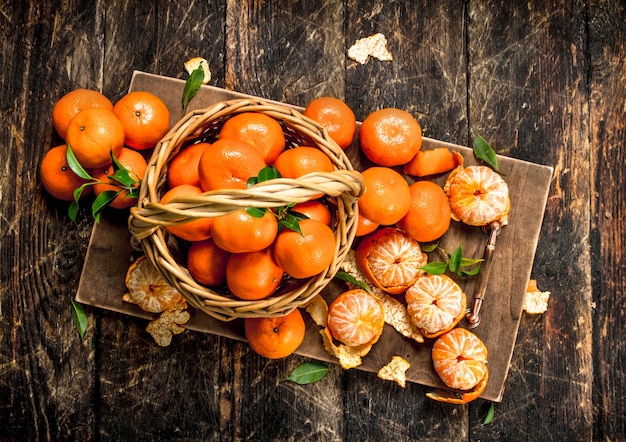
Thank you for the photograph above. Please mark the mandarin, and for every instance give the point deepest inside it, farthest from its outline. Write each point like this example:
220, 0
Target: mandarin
390, 259
183, 169
207, 263
253, 275
136, 166
277, 337
94, 135
390, 137
356, 318
196, 230
145, 117
308, 253
386, 198
227, 164
260, 130
460, 359
314, 209
239, 232
365, 226
436, 304
335, 116
301, 160
429, 216
57, 177
73, 102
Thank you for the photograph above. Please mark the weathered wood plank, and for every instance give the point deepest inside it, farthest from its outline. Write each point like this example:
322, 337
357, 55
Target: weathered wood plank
40, 249
528, 97
607, 41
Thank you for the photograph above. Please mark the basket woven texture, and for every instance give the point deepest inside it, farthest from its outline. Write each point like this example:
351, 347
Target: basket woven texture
147, 220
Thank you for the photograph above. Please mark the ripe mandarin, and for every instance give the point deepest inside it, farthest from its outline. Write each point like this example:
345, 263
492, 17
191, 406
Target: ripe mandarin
93, 135
390, 137
386, 198
261, 131
278, 337
335, 116
239, 232
73, 102
196, 230
136, 166
145, 117
57, 177
227, 164
428, 217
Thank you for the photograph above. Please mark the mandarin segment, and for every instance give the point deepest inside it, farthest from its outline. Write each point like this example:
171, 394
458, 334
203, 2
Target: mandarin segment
460, 359
478, 196
390, 259
147, 288
436, 304
356, 318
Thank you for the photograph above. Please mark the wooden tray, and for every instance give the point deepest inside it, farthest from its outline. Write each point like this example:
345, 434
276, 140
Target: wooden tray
110, 252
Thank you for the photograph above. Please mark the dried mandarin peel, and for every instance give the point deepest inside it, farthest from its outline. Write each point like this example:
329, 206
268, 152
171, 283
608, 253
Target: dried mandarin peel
148, 289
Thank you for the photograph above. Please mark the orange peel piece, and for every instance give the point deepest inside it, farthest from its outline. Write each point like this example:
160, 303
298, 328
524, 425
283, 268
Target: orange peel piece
317, 308
194, 63
168, 324
147, 288
349, 357
395, 371
433, 161
460, 397
535, 301
373, 46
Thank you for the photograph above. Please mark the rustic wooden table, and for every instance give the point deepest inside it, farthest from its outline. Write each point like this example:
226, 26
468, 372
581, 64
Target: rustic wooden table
544, 82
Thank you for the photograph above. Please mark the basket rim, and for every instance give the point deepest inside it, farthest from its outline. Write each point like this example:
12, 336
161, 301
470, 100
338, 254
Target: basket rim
149, 217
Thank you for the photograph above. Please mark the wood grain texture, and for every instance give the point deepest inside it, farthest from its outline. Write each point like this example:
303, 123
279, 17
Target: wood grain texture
542, 81
536, 51
608, 131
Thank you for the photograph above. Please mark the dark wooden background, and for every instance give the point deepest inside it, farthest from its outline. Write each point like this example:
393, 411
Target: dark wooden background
543, 81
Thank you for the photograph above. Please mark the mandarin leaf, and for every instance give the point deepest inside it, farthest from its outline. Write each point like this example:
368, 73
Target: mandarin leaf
435, 268
76, 167
252, 181
308, 373
490, 413
484, 151
427, 248
344, 276
268, 173
291, 222
465, 262
80, 318
72, 211
192, 85
466, 273
256, 212
455, 259
103, 201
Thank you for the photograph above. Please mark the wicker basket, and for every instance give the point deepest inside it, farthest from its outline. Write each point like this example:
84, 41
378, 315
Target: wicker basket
148, 218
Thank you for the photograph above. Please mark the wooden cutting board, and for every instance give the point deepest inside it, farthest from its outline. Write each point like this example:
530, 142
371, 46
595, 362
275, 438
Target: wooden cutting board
110, 253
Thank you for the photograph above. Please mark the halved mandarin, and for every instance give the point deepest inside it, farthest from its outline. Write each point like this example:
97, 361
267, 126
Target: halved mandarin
391, 259
460, 360
436, 304
356, 318
478, 196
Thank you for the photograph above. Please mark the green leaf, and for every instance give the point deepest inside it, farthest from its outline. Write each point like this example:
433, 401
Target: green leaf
466, 262
257, 212
344, 276
466, 273
268, 173
435, 268
80, 318
192, 85
76, 167
72, 210
308, 373
427, 248
290, 221
490, 413
103, 201
252, 181
455, 259
483, 151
